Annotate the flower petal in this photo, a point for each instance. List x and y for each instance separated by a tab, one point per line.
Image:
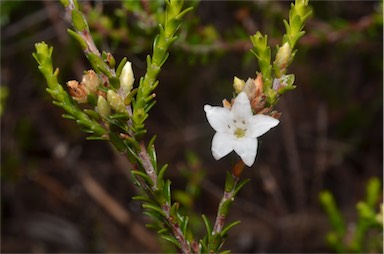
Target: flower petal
218	117
222	144
260	124
241	108
246	148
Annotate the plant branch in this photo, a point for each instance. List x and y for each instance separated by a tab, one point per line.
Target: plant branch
226	200
147	165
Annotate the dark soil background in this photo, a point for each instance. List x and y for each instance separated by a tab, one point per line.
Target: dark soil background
61	193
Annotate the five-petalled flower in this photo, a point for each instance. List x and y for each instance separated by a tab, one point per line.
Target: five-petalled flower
237	129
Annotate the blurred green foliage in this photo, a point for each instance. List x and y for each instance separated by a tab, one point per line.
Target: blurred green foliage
363	235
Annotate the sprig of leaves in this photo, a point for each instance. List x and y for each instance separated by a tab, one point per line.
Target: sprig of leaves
368	220
144	99
43	56
275	80
114	120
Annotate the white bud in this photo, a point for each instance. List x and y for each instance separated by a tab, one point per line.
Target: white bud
238	84
283	56
103	107
126	79
78	91
115	101
90	81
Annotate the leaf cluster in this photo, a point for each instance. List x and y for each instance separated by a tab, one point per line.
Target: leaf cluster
368	227
272	72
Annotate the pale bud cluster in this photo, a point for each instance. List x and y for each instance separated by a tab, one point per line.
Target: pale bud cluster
116	100
105	101
88	85
253	88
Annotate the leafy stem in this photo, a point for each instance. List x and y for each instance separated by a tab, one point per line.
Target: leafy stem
275	80
166	36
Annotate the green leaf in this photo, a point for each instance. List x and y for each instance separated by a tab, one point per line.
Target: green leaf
373	192
79	21
144	176
153	214
65	3
93	114
171	239
117	142
204	246
143	199
115	82
152	153
167	191
174	210
229	182
98	64
226	229
334	215
121	66
160	175
208	227
67	116
240	185
96	138
162	231
184	225
78	38
215	243
155	208
120	116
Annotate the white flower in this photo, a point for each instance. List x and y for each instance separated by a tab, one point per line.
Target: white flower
237	129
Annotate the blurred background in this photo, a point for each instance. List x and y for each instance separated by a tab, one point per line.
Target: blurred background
61	193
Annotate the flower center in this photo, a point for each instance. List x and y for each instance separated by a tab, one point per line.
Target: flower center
239	133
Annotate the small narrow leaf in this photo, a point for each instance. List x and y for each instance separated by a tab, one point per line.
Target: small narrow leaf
208	227
120	67
171	239
96	138
184	225
117	142
143	199
229	227
155	208
67	116
167	191
161	173
144	176
240	185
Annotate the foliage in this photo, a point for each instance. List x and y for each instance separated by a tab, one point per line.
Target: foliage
367	232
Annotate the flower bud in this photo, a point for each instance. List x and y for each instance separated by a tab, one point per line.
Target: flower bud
126	79
238	84
227	104
281	85
103	107
90	81
115	101
78	92
282	56
250	88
